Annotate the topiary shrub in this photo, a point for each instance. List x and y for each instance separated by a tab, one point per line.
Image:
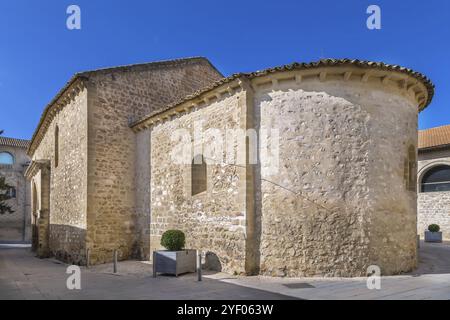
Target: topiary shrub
173	240
434	228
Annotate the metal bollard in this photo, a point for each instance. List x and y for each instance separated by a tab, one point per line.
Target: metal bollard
115	261
154	264
87	258
199	266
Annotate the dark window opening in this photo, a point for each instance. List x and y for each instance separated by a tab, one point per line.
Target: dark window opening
56	146
198	175
437	179
6	158
12	192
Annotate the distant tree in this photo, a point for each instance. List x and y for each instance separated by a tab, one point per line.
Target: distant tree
4	195
1	132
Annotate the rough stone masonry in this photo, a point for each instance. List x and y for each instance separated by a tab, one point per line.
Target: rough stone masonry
341	200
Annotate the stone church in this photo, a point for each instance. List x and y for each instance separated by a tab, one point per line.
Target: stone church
343	197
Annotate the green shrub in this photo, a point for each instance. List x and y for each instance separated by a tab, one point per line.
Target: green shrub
434	228
173	240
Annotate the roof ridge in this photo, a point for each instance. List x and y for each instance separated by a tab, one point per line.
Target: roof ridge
438	127
14	142
10	138
145	64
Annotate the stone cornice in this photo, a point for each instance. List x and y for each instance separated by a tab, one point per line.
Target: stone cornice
400	81
413	83
35	166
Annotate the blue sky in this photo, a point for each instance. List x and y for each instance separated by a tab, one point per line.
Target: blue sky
38	54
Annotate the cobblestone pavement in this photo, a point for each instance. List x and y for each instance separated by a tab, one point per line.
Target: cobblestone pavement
22	276
430	281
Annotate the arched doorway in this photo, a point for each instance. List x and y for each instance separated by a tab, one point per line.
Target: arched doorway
39	176
34	217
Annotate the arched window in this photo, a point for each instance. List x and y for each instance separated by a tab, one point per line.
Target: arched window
198	175
436	179
6	158
56	146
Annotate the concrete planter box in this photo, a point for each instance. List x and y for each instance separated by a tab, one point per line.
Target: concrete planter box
174	262
433	236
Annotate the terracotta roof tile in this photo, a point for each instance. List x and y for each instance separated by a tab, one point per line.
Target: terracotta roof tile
434	137
302	66
11	142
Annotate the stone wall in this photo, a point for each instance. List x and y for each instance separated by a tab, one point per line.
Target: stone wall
15	227
311	208
213	221
68	180
433	207
392	223
116	98
92	186
143	194
338	203
343	197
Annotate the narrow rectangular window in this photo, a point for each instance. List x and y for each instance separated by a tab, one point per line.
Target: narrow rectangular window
198	175
56	146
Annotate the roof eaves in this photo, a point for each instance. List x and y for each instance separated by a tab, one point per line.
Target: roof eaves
434	148
302	66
